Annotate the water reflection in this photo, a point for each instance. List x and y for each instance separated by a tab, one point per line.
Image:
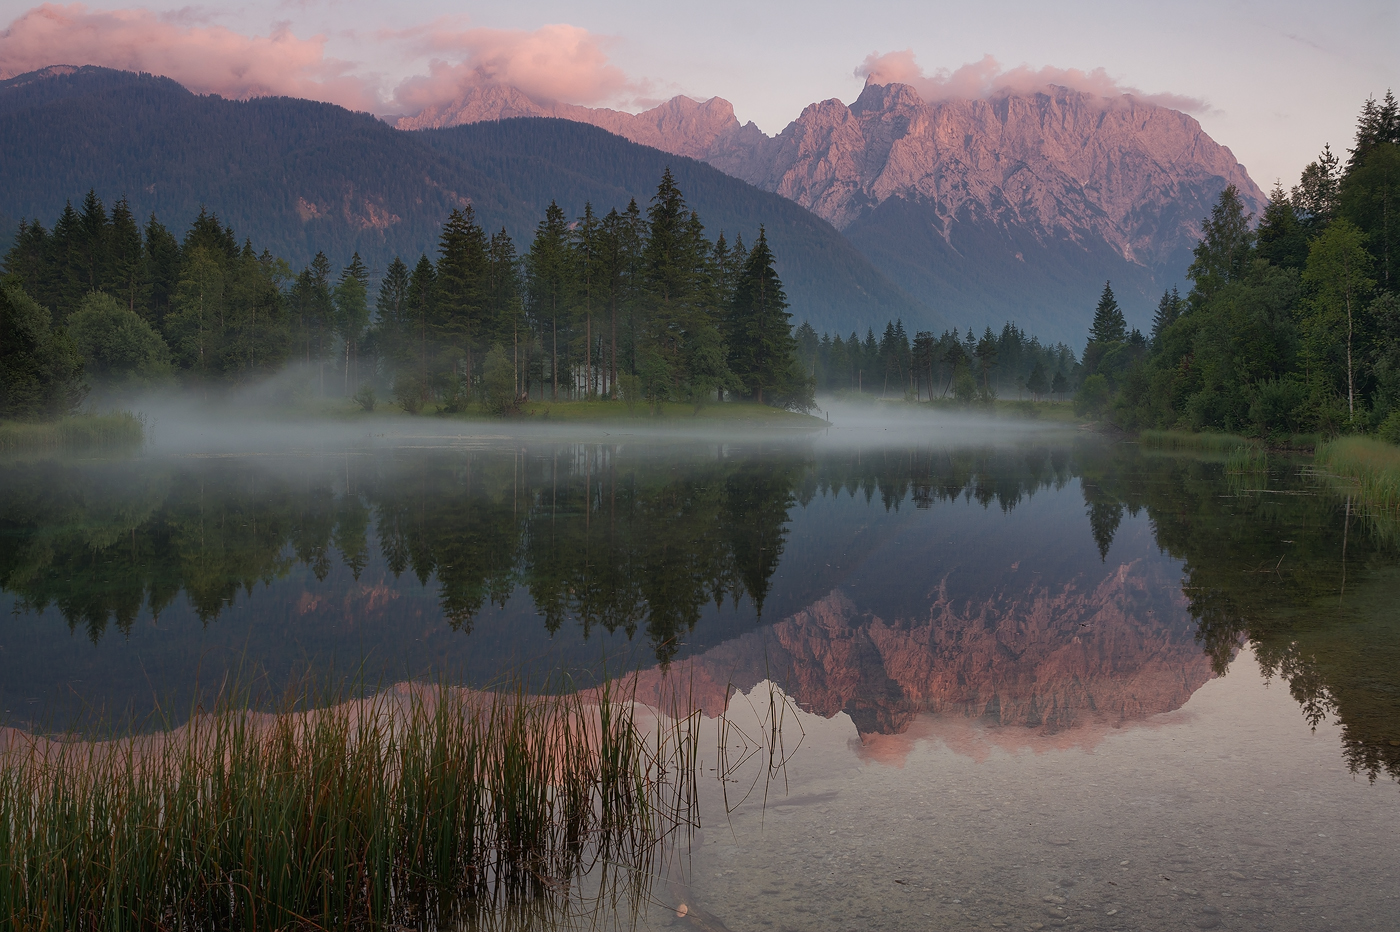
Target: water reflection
1051	591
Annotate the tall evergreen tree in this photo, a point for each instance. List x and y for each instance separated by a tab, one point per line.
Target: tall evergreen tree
461	286
351	300
1283	240
1109	325
128	280
547	268
764	355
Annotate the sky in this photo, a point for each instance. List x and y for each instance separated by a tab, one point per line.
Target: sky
1273	81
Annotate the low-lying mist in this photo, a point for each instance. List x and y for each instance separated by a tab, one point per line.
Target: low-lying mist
293	412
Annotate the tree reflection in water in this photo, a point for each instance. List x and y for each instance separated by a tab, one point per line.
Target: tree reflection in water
640	540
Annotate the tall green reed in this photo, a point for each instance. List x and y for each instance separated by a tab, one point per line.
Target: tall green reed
418	806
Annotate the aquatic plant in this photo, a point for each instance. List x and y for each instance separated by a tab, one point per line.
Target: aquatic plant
1247	459
77	432
1209	441
424	807
1372	464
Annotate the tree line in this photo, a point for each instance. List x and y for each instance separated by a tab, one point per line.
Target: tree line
1290	326
631	304
965	369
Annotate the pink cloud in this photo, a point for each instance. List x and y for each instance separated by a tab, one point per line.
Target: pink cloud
557	62
206	59
987	78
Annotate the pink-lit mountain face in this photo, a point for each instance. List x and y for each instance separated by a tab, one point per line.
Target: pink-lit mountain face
1009	206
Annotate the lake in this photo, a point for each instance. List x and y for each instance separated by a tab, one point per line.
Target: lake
1023	678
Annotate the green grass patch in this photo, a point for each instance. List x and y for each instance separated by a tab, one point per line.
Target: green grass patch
77	432
419	807
1373	465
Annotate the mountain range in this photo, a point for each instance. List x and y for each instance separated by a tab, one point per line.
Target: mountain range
1016	207
966	212
297	176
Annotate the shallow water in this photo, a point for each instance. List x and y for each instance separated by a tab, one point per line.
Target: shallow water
1029	682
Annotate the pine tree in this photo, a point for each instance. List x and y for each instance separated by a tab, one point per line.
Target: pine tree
1038	384
1282	238
547	267
764	356
461	285
1168	311
162	257
1377	125
1315	196
1109	325
585	246
352	312
128	279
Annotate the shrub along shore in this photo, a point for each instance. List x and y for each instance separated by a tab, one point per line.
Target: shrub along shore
420	806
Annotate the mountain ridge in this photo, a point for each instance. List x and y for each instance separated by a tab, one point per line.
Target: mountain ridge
1018	206
301	176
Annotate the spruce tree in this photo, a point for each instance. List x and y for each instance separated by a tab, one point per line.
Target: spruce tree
764	355
461	285
548	281
1109	325
352	312
1282	239
1168	311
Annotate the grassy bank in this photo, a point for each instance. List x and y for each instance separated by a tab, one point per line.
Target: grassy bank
420	807
1373	465
1209	442
78	432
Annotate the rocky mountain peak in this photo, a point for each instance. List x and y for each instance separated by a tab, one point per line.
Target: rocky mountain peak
1013	207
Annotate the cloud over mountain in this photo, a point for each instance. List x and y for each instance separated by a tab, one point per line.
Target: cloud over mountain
556	62
208	59
986	78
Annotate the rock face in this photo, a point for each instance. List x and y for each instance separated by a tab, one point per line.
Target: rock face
1047	659
1017	206
681	125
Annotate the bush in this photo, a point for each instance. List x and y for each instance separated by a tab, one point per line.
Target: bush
498	382
1390	428
41	371
366	398
1276	406
119	348
1092	398
411	393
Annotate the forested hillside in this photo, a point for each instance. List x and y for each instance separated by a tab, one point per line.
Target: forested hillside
1290	326
637	304
302	178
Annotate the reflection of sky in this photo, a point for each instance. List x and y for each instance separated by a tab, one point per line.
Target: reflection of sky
1227	813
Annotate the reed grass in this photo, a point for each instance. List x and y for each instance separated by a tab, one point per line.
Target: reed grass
77	432
1250	459
1373	465
425	807
1209	442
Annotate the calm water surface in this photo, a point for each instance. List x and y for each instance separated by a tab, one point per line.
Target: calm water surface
1025	682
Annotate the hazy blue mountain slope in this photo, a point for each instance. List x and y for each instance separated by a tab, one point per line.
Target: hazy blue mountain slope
298	176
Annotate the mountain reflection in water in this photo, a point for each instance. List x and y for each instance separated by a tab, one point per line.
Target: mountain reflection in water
1048	591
